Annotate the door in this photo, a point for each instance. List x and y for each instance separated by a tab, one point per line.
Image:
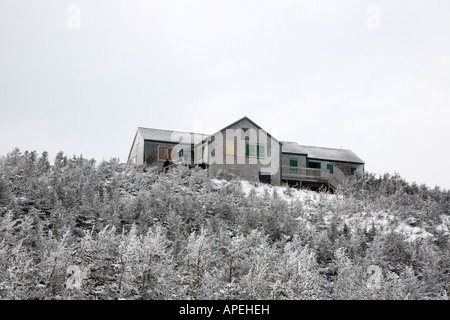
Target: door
265	178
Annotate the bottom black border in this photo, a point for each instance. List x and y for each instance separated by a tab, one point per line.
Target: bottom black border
213	309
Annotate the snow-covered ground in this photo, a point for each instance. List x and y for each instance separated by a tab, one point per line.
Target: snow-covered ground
313	202
285	193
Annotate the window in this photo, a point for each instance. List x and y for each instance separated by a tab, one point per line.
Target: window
293	165
293	162
241	149
260	151
229	148
162	153
254	150
352	170
169	153
312	164
184	155
250	150
330	168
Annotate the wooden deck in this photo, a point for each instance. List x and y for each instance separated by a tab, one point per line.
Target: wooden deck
312	177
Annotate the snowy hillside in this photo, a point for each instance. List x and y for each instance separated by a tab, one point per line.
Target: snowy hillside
312	203
75	229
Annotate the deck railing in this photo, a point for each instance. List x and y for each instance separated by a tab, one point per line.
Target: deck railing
299	173
302	173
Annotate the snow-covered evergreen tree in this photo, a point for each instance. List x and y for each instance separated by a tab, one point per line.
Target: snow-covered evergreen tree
76	229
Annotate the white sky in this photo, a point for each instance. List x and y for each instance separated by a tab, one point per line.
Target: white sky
306	71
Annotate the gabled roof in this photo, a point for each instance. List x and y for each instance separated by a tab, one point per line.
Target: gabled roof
320	153
170	135
236	122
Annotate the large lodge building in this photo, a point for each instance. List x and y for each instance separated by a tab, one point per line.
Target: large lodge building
246	150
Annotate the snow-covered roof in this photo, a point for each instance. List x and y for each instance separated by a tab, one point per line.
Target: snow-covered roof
171	135
321	152
293	147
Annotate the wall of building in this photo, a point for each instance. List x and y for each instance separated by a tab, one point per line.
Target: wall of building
301	160
151	153
137	150
341	170
151	150
346	167
239	164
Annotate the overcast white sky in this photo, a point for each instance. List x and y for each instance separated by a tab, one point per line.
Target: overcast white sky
314	72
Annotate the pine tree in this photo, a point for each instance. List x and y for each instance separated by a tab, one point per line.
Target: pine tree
299	273
198	261
348	283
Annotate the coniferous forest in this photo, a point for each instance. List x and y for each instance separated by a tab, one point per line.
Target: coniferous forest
71	228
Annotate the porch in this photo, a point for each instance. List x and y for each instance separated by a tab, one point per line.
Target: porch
314	178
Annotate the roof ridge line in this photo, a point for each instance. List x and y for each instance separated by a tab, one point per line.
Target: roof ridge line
309	146
324	147
167	130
